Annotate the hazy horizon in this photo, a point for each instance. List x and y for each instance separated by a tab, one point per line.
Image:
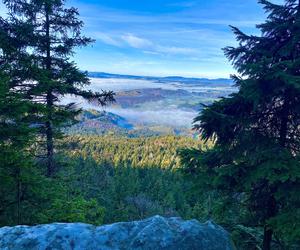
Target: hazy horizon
154	76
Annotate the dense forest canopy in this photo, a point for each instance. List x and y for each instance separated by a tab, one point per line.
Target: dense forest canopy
242	170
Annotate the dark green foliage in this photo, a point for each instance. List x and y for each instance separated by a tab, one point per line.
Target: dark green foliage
132	178
17	176
26	195
48	33
256	131
105	180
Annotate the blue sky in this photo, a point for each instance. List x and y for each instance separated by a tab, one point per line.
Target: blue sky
163	37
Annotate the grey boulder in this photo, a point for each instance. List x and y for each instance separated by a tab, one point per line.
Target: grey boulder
154	233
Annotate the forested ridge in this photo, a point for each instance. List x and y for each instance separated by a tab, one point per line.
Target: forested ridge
242	170
103	179
137	152
131	178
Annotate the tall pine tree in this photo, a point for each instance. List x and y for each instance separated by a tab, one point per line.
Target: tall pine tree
16	134
51	35
256	130
26	195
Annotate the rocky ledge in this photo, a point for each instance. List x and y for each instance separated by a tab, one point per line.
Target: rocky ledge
153	233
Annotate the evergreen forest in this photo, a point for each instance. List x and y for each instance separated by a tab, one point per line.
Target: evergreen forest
240	169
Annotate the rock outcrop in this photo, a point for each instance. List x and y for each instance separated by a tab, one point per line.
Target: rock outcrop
153	233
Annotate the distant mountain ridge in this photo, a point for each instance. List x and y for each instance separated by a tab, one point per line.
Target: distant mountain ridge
187	80
103	117
94	122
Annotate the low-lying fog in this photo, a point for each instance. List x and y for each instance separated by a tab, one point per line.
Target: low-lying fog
162	113
117	85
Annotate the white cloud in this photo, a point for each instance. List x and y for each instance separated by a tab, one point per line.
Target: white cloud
106	39
169	116
176	50
150	47
137	42
151	52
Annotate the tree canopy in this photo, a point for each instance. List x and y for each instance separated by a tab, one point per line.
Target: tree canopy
48	33
256	130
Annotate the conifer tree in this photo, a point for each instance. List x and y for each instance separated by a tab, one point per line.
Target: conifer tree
256	130
51	35
16	114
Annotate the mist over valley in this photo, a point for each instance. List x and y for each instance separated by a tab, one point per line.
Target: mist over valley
161	104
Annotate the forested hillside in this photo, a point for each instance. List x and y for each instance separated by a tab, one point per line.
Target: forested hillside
104	179
137	152
131	178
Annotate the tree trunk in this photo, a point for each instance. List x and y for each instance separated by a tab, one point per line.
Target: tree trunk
49	99
50	147
283	132
271	212
209	207
284	125
268	233
18	177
